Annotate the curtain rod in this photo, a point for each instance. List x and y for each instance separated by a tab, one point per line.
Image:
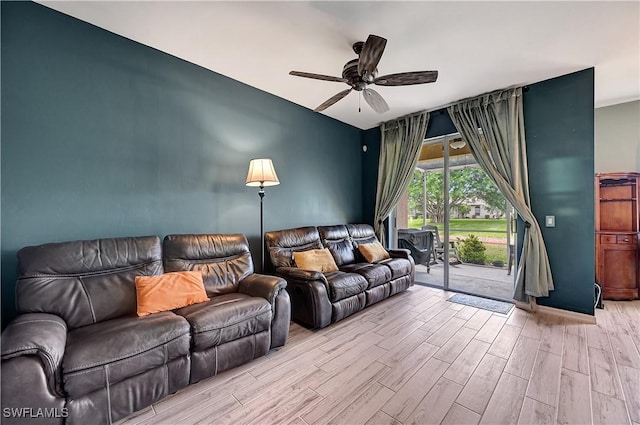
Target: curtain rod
440	108
394	125
525	89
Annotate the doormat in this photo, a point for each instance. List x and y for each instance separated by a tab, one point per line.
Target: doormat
483	303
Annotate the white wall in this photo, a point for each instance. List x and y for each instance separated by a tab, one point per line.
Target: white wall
618	137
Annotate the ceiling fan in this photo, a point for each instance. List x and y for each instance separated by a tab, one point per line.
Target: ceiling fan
362	71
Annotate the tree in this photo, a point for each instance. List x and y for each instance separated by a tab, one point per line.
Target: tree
465	184
464	209
415	193
482	187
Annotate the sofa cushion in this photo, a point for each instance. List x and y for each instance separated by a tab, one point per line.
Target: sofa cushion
361	233
108	352
343	285
226	318
398	266
316	260
376	274
169	291
337	239
347	307
94	278
373	252
282	244
223	259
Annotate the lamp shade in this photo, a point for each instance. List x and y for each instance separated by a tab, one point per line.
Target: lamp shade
262	173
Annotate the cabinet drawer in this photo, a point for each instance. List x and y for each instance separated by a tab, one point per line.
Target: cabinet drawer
608	239
631	239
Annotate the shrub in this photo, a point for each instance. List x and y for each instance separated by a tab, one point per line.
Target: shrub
472	250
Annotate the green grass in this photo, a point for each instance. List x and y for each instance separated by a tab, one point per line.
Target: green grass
461	227
478	224
496	252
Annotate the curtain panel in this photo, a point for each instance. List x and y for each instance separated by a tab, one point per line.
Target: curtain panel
399	149
493	127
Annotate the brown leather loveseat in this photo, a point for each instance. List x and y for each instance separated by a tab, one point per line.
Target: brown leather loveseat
78	353
319	299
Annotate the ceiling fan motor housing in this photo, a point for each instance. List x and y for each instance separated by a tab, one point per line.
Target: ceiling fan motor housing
357	47
350	73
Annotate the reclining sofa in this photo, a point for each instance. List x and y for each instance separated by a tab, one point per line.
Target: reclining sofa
78	353
319	299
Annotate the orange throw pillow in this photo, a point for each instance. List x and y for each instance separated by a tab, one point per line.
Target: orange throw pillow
373	252
318	260
169	291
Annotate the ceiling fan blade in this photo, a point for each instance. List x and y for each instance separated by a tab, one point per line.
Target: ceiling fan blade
332	100
376	101
371	54
407	78
318	76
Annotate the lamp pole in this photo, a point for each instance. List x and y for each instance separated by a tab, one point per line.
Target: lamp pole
261	194
261	173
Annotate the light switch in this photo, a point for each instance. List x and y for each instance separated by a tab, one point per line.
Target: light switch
550	221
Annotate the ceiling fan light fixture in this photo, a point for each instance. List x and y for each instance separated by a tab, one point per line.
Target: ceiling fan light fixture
457	144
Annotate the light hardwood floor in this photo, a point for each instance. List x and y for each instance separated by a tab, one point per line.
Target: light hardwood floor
419	359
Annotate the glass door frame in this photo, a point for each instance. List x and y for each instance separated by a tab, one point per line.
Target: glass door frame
445	197
445	140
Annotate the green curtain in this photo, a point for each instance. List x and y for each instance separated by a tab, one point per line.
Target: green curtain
400	146
500	149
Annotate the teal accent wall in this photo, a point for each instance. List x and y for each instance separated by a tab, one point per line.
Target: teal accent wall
370	139
440	124
559	122
559	127
105	137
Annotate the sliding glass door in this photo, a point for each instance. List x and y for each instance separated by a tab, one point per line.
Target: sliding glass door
453	202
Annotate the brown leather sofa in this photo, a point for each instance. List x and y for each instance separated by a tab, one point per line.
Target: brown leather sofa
78	353
319	299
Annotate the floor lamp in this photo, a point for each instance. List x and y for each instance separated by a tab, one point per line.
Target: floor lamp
261	174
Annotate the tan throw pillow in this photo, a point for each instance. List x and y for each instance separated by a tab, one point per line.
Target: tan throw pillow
169	291
318	260
373	252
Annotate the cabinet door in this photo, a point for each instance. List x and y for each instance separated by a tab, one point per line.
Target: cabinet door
619	271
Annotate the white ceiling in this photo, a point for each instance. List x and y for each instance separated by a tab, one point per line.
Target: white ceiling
476	46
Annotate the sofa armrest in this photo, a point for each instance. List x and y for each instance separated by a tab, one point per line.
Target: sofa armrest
262	285
271	288
308	290
37	334
406	254
295	273
399	253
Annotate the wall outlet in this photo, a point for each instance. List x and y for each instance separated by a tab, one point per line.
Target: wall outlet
550	221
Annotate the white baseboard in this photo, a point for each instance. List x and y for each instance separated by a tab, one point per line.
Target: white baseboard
580	317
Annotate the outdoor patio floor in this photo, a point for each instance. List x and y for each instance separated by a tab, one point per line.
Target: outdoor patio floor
485	281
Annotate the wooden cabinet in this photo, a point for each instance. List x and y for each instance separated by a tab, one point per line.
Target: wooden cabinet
617	235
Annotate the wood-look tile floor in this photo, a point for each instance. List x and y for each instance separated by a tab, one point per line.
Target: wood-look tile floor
419	359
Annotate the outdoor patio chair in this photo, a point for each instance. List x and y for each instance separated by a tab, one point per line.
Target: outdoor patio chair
420	254
439	246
